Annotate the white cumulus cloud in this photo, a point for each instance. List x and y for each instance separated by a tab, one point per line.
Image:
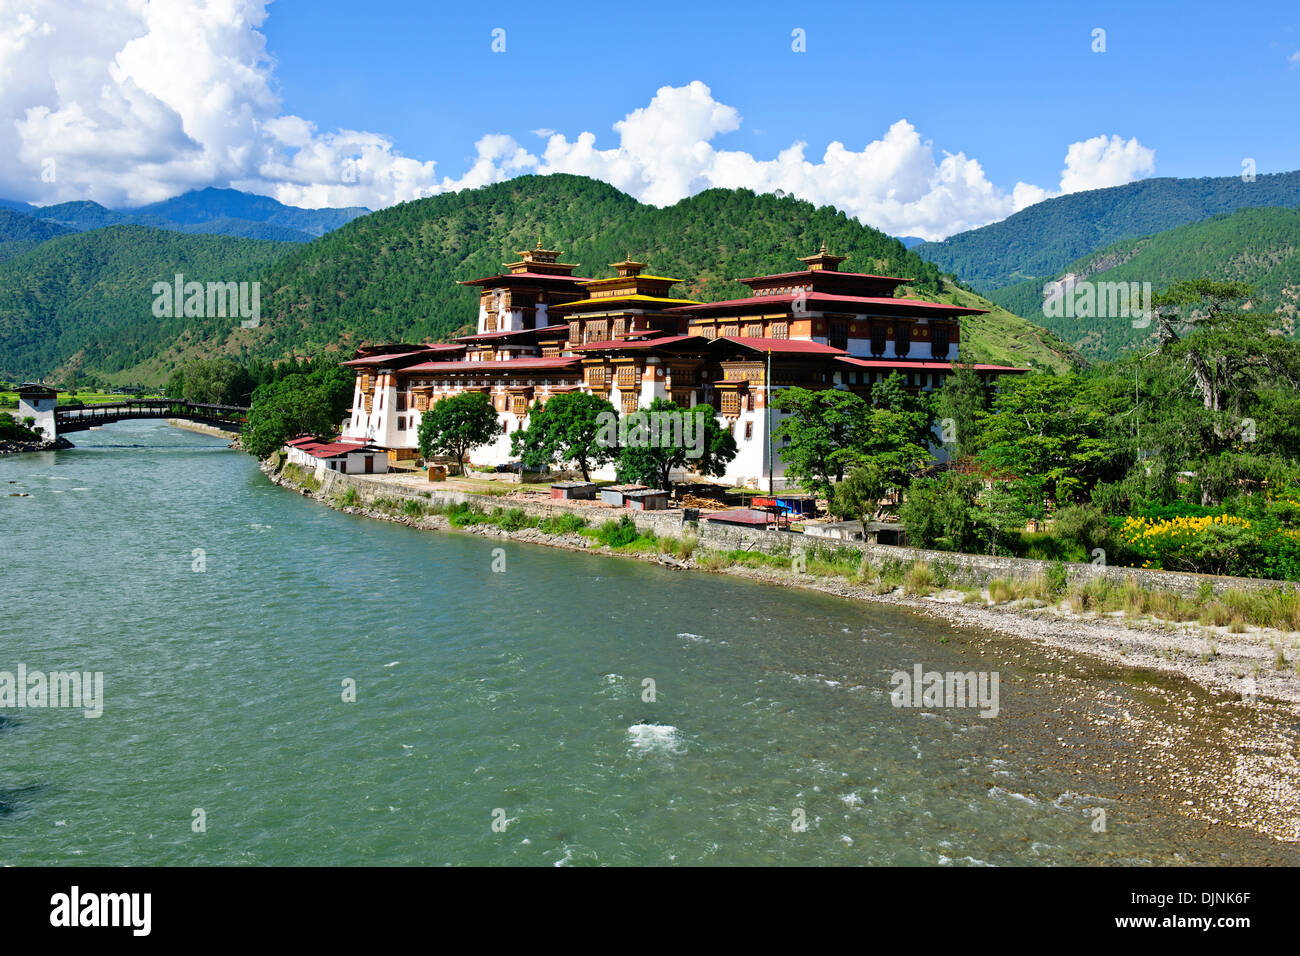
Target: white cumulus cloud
128	101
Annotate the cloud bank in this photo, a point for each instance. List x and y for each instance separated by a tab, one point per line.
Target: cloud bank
128	102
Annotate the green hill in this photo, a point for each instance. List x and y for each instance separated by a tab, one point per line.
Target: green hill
1257	246
391	275
86	300
21	233
1042	239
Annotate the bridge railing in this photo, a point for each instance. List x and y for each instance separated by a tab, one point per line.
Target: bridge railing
79	412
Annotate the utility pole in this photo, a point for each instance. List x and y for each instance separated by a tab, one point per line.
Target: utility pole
767	402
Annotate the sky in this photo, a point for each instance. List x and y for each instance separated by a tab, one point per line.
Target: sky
920	119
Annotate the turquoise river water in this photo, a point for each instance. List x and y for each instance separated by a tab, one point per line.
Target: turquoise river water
500	716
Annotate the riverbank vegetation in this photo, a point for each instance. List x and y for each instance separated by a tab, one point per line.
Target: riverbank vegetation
1184	457
1231	610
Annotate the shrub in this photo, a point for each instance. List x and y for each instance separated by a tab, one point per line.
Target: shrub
618	534
564	523
920	580
513	520
1057	580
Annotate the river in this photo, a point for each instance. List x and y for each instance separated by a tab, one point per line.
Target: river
503	716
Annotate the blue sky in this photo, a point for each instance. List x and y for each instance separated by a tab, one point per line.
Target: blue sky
948	115
1205	84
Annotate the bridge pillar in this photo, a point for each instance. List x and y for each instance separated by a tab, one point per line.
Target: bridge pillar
38	402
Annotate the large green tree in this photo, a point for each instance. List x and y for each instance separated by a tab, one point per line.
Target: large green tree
214	381
664	437
311	403
959	405
821	433
1048	430
454	425
570	427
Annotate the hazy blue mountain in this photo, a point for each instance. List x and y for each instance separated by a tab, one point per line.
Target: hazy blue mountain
215	205
216	212
910	242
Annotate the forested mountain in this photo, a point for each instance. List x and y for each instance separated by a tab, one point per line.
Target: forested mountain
1260	247
1042	239
85	301
392	275
20	233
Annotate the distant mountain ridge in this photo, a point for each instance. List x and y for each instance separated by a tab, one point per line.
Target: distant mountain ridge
1042	239
1258	246
210	211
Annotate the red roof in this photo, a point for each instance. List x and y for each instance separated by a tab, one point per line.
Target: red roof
517	332
323	448
830	299
390	358
746	516
651	343
903	363
531	276
823	272
505	365
783	346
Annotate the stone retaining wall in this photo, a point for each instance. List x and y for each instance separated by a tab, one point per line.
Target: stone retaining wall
967	569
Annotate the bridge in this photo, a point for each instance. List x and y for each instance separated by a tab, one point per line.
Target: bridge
79	417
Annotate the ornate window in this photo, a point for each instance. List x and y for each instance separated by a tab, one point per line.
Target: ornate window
627	376
780	330
879	336
838	338
730	403
629	402
940	344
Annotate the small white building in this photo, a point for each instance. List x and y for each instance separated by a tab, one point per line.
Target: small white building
38	402
348	457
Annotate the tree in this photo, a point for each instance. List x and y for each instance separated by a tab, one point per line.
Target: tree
666	436
569	427
306	403
961	403
823	430
940	512
896	434
858	494
175	387
217	381
1045	427
1225	386
454	425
